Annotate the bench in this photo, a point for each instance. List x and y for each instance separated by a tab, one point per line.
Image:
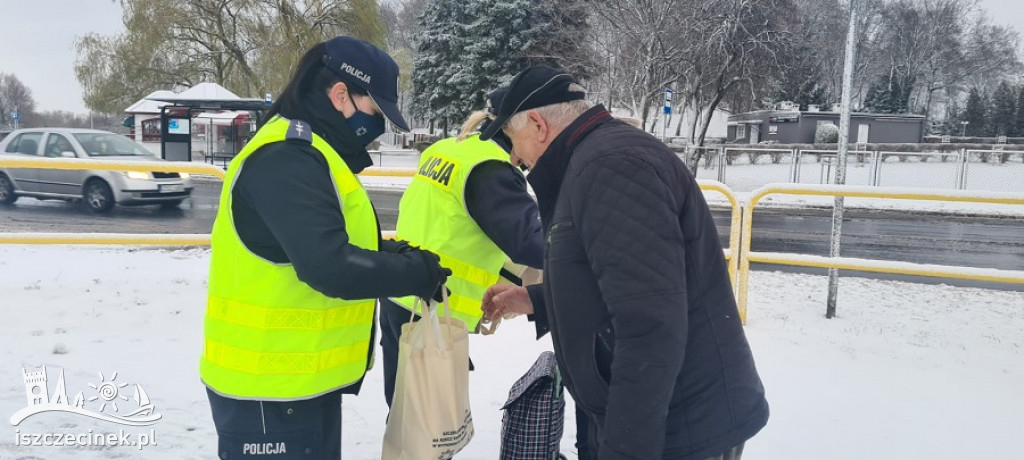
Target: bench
222	158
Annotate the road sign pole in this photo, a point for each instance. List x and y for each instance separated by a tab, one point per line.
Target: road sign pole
668	111
844	140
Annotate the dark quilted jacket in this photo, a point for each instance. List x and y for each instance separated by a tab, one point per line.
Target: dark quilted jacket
637	297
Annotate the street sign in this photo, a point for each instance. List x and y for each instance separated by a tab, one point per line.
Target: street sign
668	101
268	99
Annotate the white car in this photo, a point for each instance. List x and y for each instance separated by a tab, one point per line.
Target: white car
99	189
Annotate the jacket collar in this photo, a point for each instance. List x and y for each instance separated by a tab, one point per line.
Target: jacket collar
547	175
329	124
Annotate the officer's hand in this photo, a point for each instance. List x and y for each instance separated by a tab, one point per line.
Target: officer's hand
437	294
396	246
437	275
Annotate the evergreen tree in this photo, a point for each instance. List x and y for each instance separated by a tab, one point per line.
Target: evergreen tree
975	114
1018	119
879	98
890	93
1003	110
440	50
468	48
499	37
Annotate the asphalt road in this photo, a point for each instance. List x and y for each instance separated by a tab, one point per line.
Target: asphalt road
910	237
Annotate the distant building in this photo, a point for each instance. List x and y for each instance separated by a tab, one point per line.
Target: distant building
796	127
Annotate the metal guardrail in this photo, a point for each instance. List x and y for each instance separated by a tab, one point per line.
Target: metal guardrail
738	253
204	240
736	216
747	256
85	165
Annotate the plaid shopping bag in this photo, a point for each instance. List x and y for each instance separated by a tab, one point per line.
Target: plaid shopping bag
531	428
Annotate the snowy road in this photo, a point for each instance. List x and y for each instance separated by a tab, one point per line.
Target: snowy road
991	242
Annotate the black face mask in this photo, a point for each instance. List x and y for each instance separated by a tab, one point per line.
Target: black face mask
328	123
367	127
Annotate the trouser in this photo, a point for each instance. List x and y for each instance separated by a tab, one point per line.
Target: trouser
279	430
392	317
583	447
732	454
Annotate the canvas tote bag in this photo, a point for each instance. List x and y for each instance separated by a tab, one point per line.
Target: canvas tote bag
430	415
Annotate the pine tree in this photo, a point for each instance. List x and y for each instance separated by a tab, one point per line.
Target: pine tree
879	98
1018	119
890	93
439	52
975	114
499	37
1003	110
467	49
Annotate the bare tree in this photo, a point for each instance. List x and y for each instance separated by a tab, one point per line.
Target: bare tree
15	96
737	43
637	42
248	46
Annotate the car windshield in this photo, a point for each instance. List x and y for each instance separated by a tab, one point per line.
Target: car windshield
110	145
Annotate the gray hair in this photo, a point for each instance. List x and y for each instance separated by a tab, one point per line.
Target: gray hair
558	116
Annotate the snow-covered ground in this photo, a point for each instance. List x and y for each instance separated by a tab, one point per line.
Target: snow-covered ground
904	371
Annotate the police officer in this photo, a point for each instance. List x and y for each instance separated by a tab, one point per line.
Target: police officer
468	204
297	261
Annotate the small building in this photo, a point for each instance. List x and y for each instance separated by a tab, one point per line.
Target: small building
205	122
798	127
144	120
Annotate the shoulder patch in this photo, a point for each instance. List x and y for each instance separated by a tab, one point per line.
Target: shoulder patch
299	129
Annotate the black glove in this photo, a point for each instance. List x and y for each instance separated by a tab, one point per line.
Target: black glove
437	275
396	246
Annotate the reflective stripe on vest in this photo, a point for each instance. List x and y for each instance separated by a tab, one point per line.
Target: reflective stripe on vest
432	214
268	335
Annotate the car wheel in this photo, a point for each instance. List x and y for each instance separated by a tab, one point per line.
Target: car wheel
7	195
171	204
98	196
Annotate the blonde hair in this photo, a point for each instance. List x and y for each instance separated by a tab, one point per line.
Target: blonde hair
472	123
559	115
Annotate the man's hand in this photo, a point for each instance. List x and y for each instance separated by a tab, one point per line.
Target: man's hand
506	300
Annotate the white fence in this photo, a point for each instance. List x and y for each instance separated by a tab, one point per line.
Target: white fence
746	169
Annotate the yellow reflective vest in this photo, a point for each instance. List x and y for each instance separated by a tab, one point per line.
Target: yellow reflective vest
268	335
432	215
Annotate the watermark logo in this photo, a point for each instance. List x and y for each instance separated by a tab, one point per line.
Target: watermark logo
106	400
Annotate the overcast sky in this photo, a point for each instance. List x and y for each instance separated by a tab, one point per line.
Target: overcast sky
37	42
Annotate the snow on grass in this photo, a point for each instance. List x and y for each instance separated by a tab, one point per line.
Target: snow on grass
904	371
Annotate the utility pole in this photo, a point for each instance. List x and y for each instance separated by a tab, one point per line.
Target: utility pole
844	141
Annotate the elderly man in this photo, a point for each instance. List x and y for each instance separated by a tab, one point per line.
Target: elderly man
636	290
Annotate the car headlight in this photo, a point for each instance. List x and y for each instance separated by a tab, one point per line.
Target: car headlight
136	175
185	175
